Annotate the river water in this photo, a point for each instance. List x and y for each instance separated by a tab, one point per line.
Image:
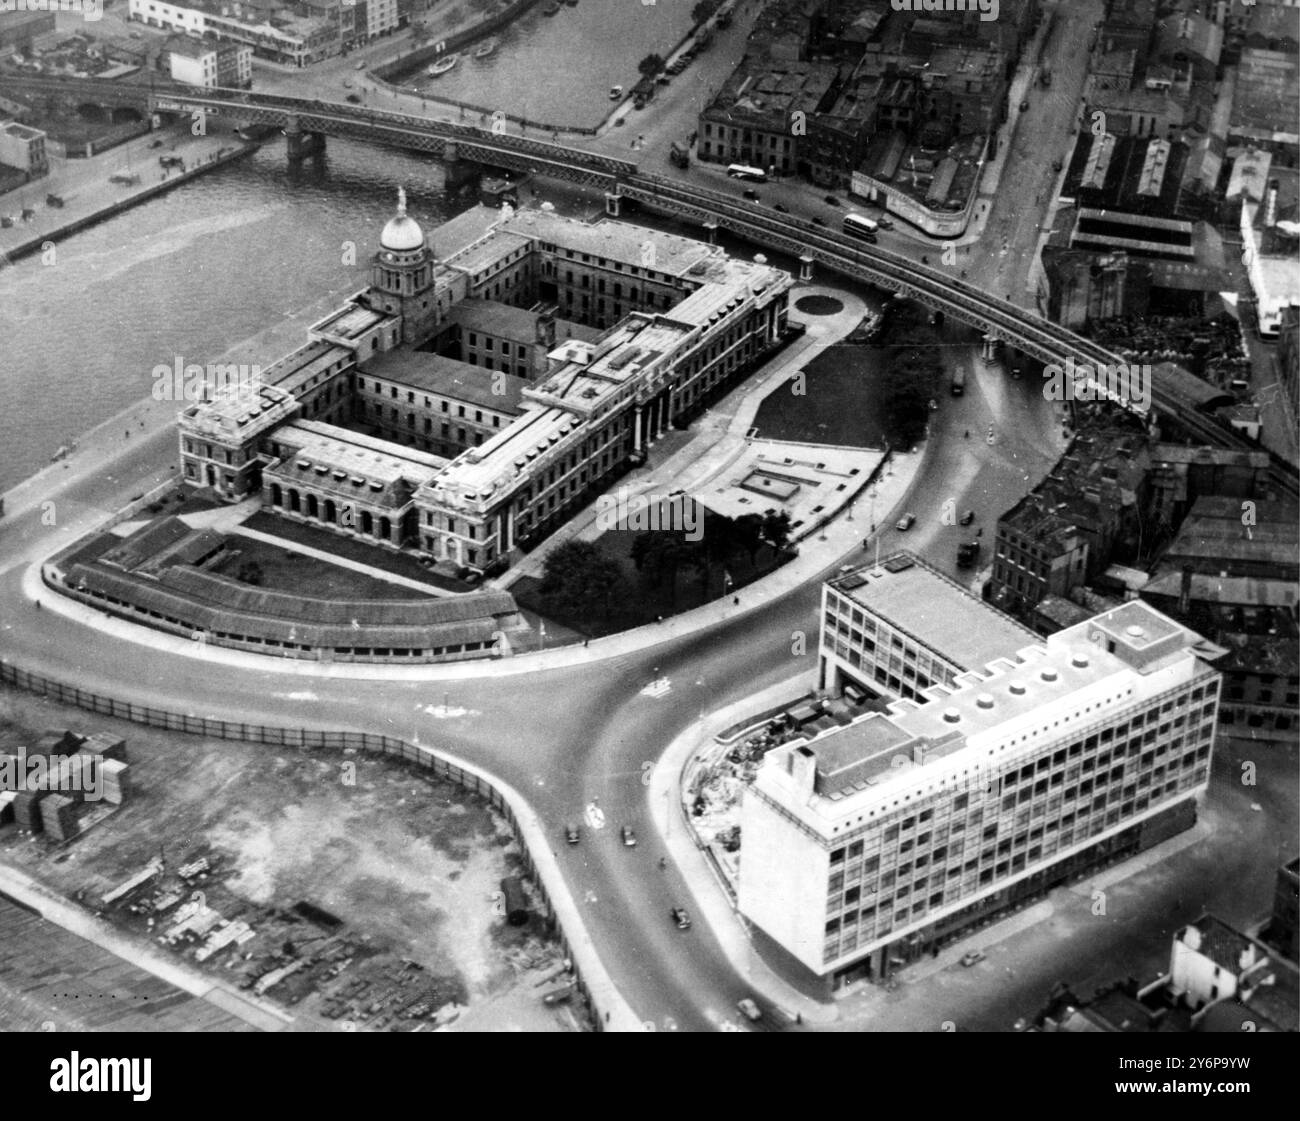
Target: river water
186	275
559	69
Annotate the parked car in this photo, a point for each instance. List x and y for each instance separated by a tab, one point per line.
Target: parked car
155	144
751	194
884	223
558	996
749	1009
352	99
780	208
968	517
681	918
629	837
974	957
831	200
818	220
1024	105
905	523
359	66
572	834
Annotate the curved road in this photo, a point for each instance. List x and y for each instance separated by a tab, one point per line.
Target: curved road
565	738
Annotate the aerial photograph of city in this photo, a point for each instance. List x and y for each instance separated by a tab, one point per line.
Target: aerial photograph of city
651	516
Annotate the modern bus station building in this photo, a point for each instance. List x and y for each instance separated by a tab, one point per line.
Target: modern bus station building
1004	765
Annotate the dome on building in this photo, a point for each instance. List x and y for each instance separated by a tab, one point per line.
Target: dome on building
402	234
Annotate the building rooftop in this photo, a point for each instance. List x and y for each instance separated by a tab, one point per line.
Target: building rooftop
349	322
623	242
934	610
236	410
426	372
339	459
1021	697
766	92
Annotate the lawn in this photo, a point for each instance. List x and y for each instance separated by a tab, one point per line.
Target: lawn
841	402
286	571
399	564
640	600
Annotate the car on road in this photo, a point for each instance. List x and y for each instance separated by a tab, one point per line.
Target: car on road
780	208
749	1009
973	957
884	223
818	220
751	194
572	834
1015	372
968	517
905	523
681	918
155	144
1024	105
352	99
629	837
831	200
558	996
359	66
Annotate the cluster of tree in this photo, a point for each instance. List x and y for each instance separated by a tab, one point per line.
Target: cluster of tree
660	556
649	66
911	373
579	579
704	9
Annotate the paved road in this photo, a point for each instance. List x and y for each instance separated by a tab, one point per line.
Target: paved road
566	738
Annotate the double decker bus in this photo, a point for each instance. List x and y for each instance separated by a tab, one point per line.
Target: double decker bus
855	225
754	174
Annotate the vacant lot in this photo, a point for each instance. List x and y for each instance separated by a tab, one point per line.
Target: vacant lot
406	870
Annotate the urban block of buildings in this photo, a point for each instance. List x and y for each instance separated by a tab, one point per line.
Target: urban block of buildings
210	64
289	34
869	845
1220	979
894	106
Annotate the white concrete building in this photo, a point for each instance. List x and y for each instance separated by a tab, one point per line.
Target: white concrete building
869	845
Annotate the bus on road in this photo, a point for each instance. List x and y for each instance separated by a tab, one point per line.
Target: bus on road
740	171
855	225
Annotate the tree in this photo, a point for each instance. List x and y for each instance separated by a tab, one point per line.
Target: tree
704	9
650	65
747	533
579	577
776	529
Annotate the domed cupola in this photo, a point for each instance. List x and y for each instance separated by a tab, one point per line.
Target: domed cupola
402	275
402	234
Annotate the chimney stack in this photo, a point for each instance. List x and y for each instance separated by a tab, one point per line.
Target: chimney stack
1270	204
803	768
1185	591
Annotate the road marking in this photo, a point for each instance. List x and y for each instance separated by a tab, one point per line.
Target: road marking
657	688
595	816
